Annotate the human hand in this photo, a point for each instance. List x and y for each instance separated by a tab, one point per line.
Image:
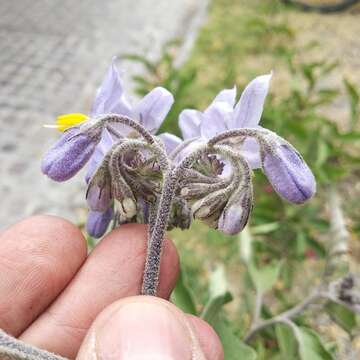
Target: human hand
54	296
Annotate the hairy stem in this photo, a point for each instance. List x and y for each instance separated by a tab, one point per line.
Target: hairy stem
153	258
243	133
13	349
157	235
108	119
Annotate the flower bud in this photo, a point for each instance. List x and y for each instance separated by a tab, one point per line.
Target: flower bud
125	200
180	216
98	222
68	155
236	214
99	193
129	207
209	205
198	190
289	174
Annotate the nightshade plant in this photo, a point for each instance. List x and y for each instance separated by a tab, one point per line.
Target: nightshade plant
134	175
137	176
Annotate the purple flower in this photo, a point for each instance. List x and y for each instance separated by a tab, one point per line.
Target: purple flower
150	111
223	114
101	150
68	155
98	222
235	216
110	98
77	145
282	164
289	174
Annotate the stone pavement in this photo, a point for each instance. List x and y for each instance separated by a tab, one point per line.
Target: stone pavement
53	55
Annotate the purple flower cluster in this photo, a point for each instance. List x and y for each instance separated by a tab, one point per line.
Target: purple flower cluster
222	144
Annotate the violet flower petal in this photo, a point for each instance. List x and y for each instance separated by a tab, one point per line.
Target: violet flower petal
110	97
187	150
99	198
153	108
98	222
289	174
247	112
101	150
68	155
189	123
251	151
226	95
170	141
216	119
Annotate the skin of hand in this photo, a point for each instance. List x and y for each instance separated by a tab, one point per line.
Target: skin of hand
57	297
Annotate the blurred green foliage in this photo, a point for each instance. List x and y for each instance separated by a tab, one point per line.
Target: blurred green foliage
237	43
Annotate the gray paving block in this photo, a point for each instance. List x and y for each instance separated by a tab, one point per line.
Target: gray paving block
53	55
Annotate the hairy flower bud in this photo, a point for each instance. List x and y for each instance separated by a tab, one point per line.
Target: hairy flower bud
129	207
210	205
99	193
195	191
125	200
69	154
289	174
180	216
98	222
236	213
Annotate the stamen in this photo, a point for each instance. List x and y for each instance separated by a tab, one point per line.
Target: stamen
67	121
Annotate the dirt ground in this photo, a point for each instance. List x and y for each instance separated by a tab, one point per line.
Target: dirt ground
338	38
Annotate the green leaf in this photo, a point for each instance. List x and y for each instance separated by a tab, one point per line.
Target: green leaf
354	100
265	277
342	316
219	294
287	343
311	347
234	349
90	242
300	243
264	228
322	153
350	136
245	245
182	297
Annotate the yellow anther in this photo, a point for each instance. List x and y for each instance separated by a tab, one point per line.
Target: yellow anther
66	121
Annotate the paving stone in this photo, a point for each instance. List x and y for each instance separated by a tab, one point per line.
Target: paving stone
53	55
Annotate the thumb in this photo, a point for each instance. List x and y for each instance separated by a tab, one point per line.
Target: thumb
139	328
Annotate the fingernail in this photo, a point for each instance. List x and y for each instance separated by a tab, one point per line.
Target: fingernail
144	330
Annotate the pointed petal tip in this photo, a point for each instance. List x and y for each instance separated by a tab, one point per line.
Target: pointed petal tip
264	79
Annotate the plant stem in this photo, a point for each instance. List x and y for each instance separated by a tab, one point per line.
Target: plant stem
157	235
107	120
284	316
244	132
257	308
11	348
